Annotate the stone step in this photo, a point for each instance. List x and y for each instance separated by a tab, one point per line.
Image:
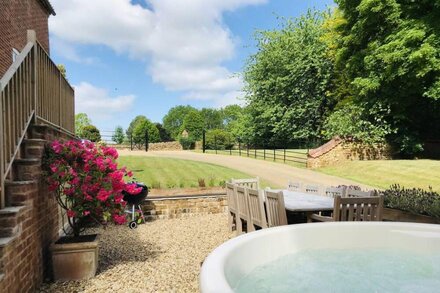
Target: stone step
18	193
34	147
10	220
27	169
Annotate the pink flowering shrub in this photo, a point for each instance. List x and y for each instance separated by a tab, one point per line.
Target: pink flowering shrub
87	182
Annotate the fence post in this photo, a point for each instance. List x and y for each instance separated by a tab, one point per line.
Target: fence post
239	148
230	147
264	152
215	143
32	37
284	155
274	154
255	152
131	141
204	140
248	150
146	140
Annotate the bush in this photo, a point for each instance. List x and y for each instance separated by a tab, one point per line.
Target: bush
218	139
415	200
187	143
90	132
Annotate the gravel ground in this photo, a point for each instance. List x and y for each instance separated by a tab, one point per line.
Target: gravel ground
160	256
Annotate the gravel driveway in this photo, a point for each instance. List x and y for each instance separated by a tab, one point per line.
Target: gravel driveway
277	174
160	256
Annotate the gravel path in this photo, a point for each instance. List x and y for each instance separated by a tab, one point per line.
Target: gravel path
160	256
277	174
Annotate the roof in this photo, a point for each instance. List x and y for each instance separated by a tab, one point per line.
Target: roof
46	4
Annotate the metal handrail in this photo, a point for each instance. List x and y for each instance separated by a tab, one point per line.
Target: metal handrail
32	90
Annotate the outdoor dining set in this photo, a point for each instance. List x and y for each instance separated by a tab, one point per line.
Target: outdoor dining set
251	208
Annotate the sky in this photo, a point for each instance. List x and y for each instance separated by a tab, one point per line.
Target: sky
142	57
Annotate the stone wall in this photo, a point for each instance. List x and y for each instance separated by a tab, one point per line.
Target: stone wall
30	222
165	146
337	151
168	207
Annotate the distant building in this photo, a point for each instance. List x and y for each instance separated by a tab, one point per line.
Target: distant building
16	17
184	133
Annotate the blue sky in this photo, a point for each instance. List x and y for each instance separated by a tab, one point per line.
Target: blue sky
128	58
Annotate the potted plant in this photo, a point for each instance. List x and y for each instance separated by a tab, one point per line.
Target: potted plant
88	186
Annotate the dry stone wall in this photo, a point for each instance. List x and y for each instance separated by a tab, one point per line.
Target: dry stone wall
337	151
165	146
167	207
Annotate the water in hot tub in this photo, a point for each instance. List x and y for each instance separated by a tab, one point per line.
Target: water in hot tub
347	270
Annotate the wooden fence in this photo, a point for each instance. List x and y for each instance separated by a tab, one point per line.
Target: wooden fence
33	90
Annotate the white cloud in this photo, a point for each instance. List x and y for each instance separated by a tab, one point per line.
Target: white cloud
186	41
98	104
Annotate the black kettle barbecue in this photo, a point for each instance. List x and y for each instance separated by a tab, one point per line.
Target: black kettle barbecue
135	201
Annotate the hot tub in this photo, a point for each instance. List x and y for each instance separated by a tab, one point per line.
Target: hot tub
347	256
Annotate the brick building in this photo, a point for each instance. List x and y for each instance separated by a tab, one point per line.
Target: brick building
16	17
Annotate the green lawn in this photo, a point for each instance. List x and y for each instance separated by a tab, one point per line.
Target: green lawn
408	173
175	173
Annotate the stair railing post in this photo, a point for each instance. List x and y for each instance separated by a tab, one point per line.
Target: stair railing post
2	155
32	37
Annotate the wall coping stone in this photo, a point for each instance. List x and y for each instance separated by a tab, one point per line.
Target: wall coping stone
184	196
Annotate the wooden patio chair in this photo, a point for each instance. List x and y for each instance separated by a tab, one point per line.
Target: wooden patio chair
358	193
275	209
354	209
232	206
242	209
294	186
313	189
253	183
334	191
257	214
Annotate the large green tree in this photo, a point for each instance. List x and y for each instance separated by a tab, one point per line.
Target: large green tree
194	124
173	120
288	79
212	117
138	128
389	50
81	120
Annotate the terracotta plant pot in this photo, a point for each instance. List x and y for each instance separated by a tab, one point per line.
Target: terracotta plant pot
75	258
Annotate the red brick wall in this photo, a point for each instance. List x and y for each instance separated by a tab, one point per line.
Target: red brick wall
25	261
16	17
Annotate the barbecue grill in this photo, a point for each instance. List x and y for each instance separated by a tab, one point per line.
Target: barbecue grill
135	200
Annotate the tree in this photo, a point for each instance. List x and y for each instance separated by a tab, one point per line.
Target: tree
138	119
288	79
90	132
219	139
194	124
141	128
118	136
388	50
173	120
62	69
163	133
212	117
81	120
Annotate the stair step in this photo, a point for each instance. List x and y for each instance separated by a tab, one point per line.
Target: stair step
4	241
27	169
11	210
34	147
18	193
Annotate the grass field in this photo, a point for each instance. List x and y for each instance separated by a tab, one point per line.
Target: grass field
408	173
174	173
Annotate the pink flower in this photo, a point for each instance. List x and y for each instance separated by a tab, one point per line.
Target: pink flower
119	198
53	168
119	219
86	213
103	195
132	189
57	147
111	152
71	213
